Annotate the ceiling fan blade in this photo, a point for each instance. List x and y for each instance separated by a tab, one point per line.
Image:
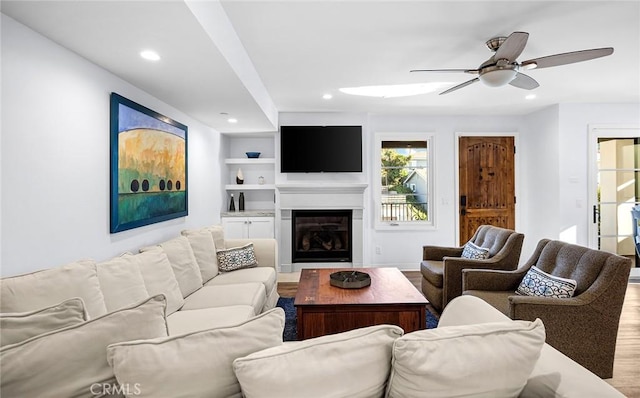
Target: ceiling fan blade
523	81
465	84
567	58
446	70
512	47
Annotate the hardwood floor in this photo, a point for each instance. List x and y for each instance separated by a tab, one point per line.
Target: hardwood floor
626	367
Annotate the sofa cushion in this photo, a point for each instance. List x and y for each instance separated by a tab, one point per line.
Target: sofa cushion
266	250
204	250
208	318
196	364
250	293
236	258
474	252
538	283
265	275
183	262
40	289
17	327
72	362
121	282
217	232
464	360
159	277
349	364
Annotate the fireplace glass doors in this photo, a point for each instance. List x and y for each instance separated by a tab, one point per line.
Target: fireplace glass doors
321	236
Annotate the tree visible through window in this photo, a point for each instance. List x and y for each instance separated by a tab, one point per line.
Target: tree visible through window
405	181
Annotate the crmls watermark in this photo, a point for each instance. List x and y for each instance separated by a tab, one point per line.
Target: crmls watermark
100	389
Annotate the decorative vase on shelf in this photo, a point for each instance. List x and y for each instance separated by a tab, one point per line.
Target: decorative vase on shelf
261	180
232	204
239	177
241	202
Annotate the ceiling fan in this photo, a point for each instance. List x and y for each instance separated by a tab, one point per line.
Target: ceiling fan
503	68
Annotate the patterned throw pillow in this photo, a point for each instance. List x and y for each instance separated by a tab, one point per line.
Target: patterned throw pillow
237	258
538	283
475	252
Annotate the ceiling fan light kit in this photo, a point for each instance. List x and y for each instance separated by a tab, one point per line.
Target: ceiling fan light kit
502	68
498	77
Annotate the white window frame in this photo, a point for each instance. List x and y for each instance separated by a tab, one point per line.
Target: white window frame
377	178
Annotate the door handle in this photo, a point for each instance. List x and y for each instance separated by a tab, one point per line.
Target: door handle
463	205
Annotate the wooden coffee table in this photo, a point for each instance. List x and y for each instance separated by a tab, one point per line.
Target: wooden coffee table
325	309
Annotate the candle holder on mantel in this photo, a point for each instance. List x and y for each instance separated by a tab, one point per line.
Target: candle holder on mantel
239	177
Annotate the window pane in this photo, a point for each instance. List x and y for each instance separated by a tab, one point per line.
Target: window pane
404	181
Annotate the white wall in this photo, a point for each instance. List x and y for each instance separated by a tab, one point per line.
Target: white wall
540	159
573	126
55	158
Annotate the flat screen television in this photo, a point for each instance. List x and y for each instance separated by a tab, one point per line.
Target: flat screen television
321	149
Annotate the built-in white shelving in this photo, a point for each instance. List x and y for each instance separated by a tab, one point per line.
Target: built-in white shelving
259	173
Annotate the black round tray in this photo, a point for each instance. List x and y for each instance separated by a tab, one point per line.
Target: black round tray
350	279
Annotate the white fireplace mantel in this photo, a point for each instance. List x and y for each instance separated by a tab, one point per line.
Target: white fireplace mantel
322	196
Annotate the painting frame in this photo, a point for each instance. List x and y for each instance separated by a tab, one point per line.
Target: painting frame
148	171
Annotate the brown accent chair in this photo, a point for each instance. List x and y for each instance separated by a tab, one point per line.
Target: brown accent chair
442	267
583	327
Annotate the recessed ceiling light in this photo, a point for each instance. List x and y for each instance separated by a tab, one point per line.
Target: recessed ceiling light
530	96
327	96
232	120
150	55
396	90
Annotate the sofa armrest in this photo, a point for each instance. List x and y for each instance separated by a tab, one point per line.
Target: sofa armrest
439	252
266	250
555	374
492	280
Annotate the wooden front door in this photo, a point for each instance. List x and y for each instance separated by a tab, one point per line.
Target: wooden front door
487	183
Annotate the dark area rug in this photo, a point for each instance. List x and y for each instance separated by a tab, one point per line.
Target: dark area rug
291	334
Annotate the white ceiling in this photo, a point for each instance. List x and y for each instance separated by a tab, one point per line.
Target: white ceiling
300	50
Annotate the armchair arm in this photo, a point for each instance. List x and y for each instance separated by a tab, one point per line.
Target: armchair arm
492	280
439	252
452	273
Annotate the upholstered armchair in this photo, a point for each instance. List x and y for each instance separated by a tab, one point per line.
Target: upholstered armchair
442	267
583	327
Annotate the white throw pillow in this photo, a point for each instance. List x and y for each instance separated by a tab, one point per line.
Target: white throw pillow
72	362
17	327
538	283
159	277
183	262
204	249
237	258
121	282
196	364
483	360
474	252
40	289
351	364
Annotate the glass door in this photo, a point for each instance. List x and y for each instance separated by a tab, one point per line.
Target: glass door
617	193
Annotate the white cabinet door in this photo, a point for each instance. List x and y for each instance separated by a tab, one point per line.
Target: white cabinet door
234	227
248	227
260	227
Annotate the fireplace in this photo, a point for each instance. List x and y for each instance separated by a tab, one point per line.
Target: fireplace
321	236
